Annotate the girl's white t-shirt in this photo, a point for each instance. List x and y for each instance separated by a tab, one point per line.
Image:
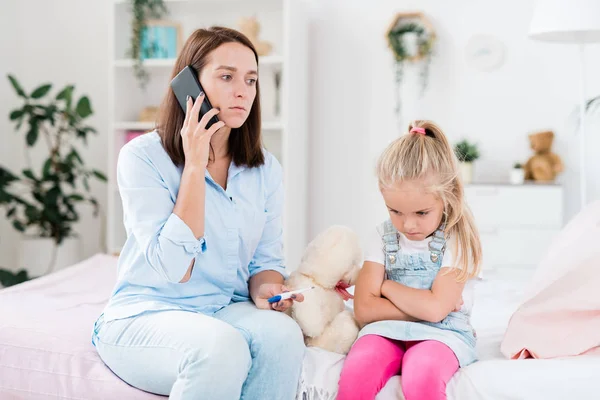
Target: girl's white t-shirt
374	252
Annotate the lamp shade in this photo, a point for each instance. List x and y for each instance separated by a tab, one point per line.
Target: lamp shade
566	21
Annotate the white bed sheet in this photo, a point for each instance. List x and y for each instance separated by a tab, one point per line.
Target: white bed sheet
493	376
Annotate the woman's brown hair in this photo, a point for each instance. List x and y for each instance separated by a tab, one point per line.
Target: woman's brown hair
245	143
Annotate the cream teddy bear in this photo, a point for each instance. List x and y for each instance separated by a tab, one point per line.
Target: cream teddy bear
330	263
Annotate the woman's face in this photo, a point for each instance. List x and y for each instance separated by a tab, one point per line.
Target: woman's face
229	80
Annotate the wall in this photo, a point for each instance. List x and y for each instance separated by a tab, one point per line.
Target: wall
352	112
62	42
8	61
353	99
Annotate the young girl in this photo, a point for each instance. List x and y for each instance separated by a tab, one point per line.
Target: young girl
418	270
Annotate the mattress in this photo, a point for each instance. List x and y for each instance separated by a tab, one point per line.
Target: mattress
45	337
493	377
46	351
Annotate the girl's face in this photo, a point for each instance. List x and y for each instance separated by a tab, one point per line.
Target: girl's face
414	211
229	80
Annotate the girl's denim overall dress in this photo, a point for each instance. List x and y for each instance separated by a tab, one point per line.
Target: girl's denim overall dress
418	271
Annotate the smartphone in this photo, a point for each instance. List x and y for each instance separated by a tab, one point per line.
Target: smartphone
185	84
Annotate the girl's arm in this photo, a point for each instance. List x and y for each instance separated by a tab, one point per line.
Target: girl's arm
369	305
428	305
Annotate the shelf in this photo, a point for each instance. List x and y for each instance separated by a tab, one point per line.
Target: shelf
134	125
142	126
274	60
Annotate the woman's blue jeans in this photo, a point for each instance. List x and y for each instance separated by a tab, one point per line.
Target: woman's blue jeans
240	352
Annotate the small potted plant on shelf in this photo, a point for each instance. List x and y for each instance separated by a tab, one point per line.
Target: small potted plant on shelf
42	204
517	174
466	153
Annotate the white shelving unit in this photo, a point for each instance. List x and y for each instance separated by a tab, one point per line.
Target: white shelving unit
284	134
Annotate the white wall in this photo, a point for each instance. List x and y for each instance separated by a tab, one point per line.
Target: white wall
352	119
353	99
8	61
61	42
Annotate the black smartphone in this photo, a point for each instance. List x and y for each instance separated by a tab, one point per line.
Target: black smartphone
185	84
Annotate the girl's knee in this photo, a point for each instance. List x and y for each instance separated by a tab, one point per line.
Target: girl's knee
372	361
423	385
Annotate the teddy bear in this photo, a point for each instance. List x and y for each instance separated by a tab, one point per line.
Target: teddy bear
543	165
250	27
330	264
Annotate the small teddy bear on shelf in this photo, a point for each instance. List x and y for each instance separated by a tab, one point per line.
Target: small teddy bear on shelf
250	27
330	263
544	166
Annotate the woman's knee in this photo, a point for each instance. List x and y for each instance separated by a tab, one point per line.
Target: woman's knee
228	357
281	335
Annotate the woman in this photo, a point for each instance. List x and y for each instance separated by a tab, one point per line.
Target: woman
189	315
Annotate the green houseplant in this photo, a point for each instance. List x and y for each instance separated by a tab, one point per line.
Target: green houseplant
142	11
467	153
43	202
517	174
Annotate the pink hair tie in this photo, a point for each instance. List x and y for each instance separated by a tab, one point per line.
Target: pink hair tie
418	130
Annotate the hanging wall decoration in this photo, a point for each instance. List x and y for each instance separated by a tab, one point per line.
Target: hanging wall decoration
411	38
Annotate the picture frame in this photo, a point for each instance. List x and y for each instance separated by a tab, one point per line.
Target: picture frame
160	39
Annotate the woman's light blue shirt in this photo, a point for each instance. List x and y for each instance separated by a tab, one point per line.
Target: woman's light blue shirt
243	234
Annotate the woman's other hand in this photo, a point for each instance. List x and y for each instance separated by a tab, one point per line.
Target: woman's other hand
268	290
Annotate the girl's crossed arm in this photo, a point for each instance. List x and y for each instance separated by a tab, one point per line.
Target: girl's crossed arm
369	305
432	305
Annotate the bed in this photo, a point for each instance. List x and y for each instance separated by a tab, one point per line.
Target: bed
46	350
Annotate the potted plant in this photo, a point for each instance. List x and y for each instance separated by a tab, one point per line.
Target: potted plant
517	174
142	11
42	203
466	153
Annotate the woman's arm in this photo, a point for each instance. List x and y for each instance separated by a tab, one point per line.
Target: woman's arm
428	305
369	305
167	242
190	204
169	233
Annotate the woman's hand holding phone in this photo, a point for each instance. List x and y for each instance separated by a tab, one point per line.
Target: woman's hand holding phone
195	136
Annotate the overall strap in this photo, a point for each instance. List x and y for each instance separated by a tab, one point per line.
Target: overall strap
437	245
389	236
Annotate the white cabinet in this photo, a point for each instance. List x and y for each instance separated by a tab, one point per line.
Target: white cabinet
517	223
285	111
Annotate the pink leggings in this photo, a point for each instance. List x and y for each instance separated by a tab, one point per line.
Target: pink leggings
426	368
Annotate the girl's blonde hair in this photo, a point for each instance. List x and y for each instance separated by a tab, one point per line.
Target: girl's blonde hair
425	153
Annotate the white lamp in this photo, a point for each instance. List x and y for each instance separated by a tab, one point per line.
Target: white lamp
570	21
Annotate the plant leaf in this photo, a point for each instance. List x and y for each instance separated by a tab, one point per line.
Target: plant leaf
83	108
74	155
99	175
16	114
17	87
33	133
41	91
66	94
32	214
19	226
76	197
28	173
52	196
46	169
